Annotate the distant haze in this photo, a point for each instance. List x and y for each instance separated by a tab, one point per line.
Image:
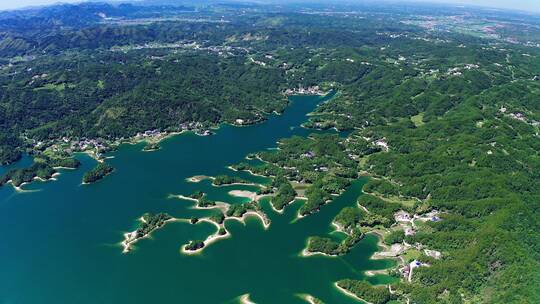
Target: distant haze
14	4
526	5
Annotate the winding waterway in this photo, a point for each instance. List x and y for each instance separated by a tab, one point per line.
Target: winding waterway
59	240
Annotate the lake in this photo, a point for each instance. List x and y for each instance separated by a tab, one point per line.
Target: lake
60	240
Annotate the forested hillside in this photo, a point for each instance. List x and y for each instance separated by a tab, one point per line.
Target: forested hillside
441	110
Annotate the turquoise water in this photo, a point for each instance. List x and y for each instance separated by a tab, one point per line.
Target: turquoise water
60	239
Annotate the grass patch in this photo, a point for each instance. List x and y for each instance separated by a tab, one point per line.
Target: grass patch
411	254
418	120
55	87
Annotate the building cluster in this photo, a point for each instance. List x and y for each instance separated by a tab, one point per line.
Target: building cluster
521	117
382	144
85	144
314	90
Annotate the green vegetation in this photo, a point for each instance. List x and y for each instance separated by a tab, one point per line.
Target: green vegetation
222	180
396	236
315	300
27	175
151	147
380	212
284	193
197	195
323	245
218	218
238	210
68	163
194	245
330	247
441	119
418	120
151	222
349	217
319	161
43	168
204	202
100	171
367	292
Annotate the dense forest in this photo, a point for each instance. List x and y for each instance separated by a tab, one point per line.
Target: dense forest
441	117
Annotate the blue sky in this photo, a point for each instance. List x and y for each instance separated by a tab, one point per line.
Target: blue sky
527	5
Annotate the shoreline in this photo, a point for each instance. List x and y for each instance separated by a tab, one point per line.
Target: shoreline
237	184
264	219
276	210
245	194
209	239
198	178
19	188
338	228
112	145
216	236
371	273
130	238
248	171
219	205
183	197
308	298
377	255
350	294
283	209
305	253
244	299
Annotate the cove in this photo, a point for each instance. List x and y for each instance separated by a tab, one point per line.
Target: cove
60	239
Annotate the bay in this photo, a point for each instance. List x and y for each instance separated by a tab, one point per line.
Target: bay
59	240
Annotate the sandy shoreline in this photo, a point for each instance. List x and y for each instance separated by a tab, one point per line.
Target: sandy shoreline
249	171
338	228
264	219
19	188
131	238
219	205
182	197
216	236
350	294
276	210
371	273
307	297
282	209
244	299
210	239
197	178
380	254
305	253
244	193
237	184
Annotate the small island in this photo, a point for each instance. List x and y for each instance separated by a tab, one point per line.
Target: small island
310	299
151	146
98	173
194	245
148	223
